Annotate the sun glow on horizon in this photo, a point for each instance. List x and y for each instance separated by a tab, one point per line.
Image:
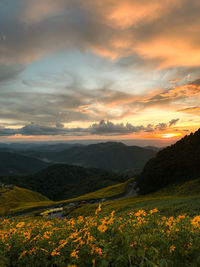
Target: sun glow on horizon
170	135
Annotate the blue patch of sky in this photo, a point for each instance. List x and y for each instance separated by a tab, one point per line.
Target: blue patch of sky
92	71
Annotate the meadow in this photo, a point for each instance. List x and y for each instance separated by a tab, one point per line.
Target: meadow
132	238
158	229
21	200
172	200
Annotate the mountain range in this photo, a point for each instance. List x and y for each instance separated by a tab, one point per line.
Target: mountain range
113	156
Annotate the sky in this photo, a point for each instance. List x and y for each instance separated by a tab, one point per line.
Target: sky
99	69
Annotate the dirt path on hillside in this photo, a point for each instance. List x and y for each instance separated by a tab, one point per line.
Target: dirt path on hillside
131	190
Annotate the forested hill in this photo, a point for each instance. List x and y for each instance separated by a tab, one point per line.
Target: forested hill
61	181
175	163
114	156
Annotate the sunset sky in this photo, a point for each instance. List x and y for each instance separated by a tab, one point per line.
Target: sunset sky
99	69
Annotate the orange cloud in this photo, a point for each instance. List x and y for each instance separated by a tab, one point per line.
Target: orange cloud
160	97
162	32
123	14
105	52
174	81
127	13
182	91
192	110
172	50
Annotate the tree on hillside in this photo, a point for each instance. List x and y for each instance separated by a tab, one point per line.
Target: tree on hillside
178	162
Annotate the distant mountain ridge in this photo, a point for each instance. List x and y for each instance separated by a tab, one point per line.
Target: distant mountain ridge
23	147
13	163
114	156
177	163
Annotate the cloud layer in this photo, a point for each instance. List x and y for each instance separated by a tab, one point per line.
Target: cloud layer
75	103
160	37
103	128
164	32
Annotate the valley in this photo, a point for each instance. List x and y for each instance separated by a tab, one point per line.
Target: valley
107	202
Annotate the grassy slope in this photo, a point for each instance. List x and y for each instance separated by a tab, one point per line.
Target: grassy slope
172	200
20	199
107	192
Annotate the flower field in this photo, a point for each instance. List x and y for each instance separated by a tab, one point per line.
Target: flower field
141	238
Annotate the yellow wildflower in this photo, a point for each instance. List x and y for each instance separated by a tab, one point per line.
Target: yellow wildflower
20	224
112	213
44	250
172	248
62	244
120	228
98	251
102	228
98	209
168	224
22	254
181	216
133	244
140	212
54	252
74	253
46	235
153	211
33	251
195	221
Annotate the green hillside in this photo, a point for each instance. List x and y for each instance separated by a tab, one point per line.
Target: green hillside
172	200
19	199
24	200
108	192
176	163
61	181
